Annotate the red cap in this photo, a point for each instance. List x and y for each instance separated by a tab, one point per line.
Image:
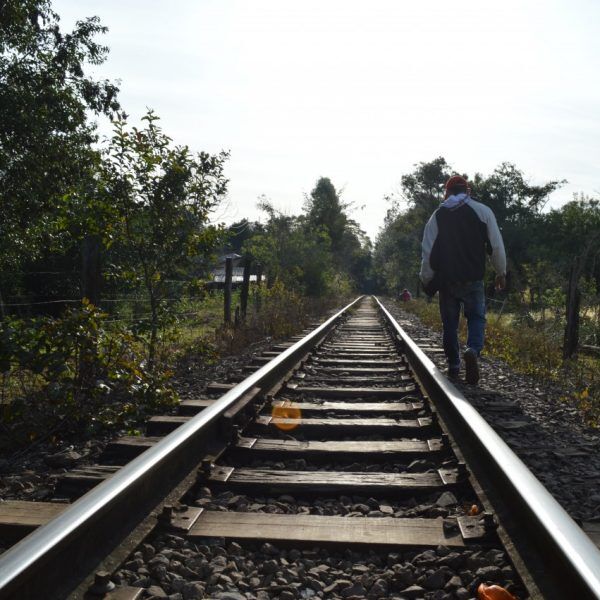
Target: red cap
456	180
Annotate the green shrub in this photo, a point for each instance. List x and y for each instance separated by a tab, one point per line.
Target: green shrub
75	374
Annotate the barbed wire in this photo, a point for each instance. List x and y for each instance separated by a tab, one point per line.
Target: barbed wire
62	301
106	300
147	317
41	273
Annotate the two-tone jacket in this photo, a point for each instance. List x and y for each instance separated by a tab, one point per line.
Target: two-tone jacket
456	239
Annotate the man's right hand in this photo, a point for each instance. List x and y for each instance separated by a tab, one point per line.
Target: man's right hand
500	282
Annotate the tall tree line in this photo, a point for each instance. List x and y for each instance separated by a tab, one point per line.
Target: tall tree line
541	245
320	251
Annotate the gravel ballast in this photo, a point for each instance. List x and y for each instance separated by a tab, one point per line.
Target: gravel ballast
177	569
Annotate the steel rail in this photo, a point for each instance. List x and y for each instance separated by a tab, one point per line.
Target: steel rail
571	561
44	550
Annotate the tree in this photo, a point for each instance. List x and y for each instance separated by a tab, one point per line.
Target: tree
163	195
241	231
350	247
423	189
324	210
397	253
45	135
292	252
518	208
574	231
516	203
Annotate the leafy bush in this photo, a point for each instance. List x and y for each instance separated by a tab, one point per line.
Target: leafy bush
74	374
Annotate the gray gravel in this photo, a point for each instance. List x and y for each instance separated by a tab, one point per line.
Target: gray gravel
33	475
174	568
444	504
544	430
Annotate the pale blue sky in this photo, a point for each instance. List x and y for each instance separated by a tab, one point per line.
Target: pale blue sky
361	91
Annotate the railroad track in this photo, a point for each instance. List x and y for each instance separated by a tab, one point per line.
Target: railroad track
345	450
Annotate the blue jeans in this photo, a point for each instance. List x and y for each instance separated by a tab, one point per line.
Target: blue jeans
471	296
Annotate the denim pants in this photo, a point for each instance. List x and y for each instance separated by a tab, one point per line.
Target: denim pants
471	296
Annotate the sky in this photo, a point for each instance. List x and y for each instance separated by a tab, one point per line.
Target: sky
361	92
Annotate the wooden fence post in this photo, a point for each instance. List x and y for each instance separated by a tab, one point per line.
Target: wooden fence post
245	287
571	340
259	274
259	271
227	291
2	311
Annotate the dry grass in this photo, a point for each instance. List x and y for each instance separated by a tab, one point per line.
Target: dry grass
533	348
279	313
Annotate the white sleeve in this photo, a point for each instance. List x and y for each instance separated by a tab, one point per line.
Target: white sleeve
429	237
493	232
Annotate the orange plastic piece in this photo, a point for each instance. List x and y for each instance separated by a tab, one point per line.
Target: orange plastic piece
287	416
494	592
474	510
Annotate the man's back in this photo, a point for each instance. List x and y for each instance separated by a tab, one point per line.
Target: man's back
456	239
458	252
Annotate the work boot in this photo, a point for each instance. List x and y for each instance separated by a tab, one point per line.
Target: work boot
471	367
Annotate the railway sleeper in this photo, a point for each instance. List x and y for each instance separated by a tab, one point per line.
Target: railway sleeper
351	407
326	530
77	482
337	370
330	450
348	362
352	392
333	428
378	352
276	482
350	381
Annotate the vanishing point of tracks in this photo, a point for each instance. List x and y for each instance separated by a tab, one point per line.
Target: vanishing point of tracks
344	465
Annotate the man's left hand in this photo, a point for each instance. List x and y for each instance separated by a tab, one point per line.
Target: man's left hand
500	282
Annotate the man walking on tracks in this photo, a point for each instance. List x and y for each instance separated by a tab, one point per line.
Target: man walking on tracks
455	242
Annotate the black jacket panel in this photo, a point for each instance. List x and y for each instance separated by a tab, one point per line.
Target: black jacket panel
458	253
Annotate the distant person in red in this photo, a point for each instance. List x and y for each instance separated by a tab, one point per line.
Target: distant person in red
405	296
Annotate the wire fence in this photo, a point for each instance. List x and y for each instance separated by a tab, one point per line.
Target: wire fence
109	300
136	310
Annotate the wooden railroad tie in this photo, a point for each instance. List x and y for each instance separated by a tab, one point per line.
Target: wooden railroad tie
352	407
385	531
352	392
331	482
331	449
337	426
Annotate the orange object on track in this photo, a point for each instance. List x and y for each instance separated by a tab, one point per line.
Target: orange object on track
474	510
288	416
494	592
